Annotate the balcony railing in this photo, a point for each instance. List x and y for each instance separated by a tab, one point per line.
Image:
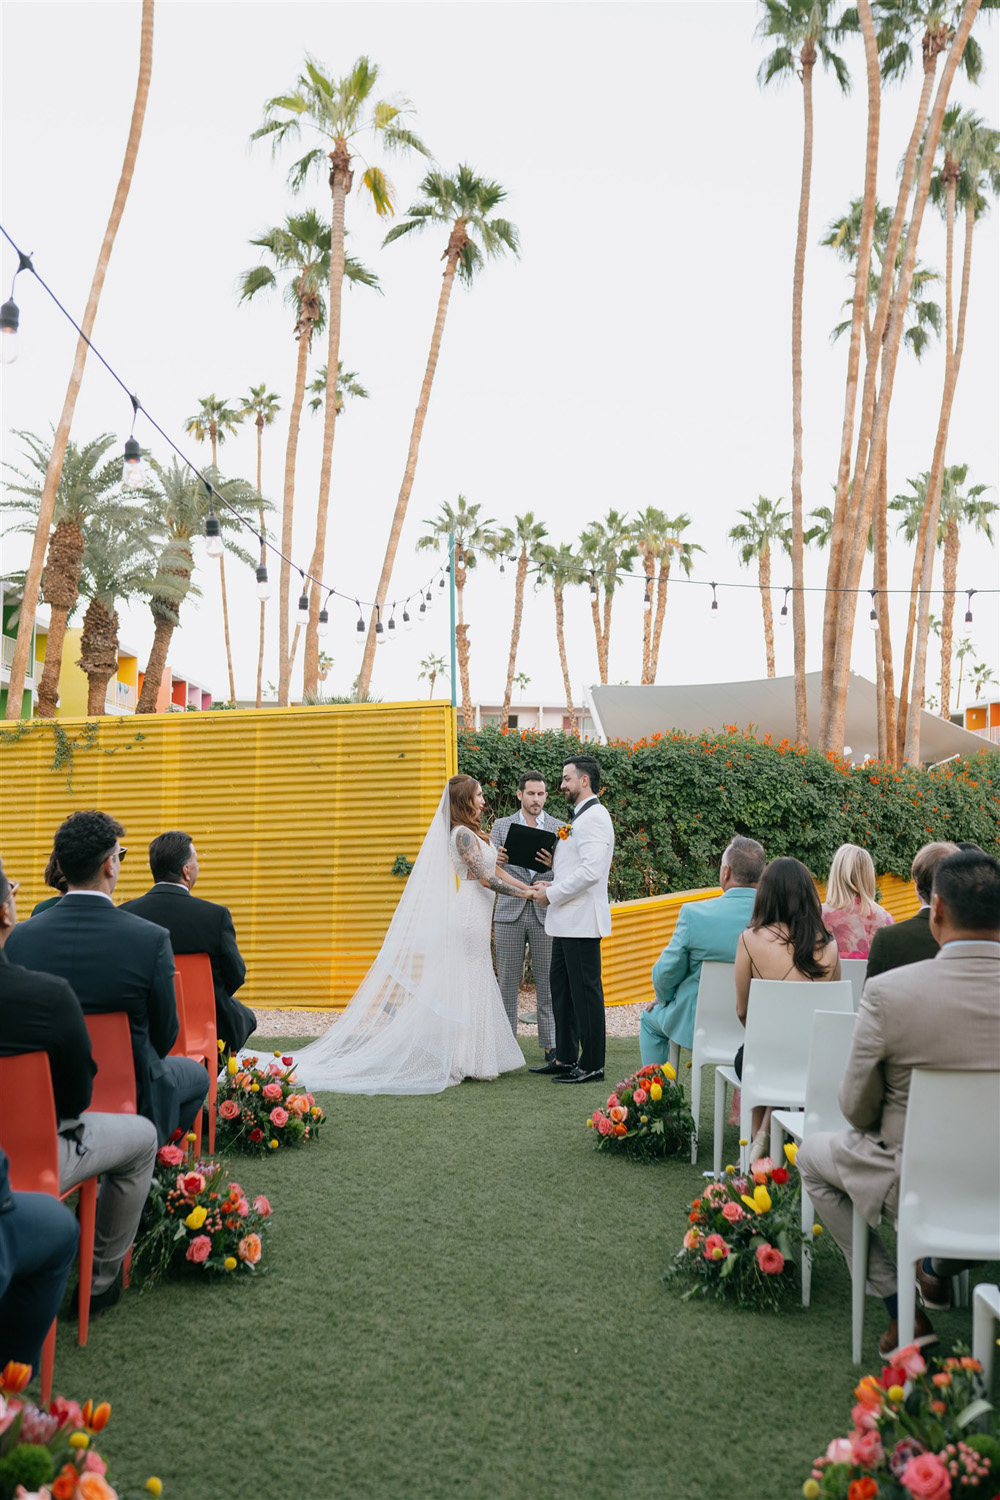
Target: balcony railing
120	697
7	644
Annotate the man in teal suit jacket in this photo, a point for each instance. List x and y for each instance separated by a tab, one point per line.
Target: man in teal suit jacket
705	930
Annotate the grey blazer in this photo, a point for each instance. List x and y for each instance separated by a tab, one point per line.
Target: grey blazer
941	1013
509	908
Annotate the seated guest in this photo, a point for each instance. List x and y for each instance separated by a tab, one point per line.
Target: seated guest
786	939
115	961
911	941
54	877
706	930
850	910
940	1013
38	1240
40	1013
197	926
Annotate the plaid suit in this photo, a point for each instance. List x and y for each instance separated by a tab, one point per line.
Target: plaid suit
519	924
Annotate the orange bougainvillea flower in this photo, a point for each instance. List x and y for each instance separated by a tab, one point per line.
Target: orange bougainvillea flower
14	1376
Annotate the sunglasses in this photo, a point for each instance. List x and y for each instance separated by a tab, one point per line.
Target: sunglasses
122	851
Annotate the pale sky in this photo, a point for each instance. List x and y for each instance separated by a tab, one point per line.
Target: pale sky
637	354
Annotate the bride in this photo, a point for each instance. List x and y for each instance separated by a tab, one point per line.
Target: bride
428	1013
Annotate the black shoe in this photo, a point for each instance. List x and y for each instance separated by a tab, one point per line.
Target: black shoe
550	1065
100	1302
935	1291
577	1075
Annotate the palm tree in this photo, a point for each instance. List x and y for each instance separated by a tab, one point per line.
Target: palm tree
605	548
463	205
214	420
650	536
301	246
46	508
341	110
117	566
473	536
528	535
432	667
348	384
763	526
263	406
969	172
183	506
89	484
658	538
802	31
561	566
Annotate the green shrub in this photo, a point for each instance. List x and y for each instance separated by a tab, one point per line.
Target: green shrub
677	800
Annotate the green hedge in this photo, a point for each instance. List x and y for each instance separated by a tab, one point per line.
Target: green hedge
677	799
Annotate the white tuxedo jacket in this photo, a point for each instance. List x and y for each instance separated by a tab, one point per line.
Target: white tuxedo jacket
578	894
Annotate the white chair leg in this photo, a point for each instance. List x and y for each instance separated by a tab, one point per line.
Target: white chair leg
960	1289
808	1220
674	1057
695	1109
859	1278
907	1292
777	1146
984	1316
746	1130
720	1114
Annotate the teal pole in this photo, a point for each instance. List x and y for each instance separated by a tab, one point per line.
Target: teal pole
451	576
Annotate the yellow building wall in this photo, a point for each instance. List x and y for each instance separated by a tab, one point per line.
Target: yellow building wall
297	815
73	685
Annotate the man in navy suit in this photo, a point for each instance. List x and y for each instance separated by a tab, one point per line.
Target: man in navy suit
115	961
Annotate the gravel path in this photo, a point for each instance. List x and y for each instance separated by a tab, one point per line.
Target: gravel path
621	1020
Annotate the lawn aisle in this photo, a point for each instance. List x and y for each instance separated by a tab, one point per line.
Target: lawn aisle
464	1299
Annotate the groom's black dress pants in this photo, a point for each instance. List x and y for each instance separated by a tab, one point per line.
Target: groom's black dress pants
578	1001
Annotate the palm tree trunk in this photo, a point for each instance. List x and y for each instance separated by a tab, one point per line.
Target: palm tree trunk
609	599
890	353
304	329
807	61
409	473
61	591
515	633
98	654
225	627
462	647
433	677
595	611
883	644
22	646
155	666
341	179
661	610
557	590
927	538
952	543
260	645
764	582
859	325
648	567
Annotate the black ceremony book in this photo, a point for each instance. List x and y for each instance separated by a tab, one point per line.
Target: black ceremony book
522	845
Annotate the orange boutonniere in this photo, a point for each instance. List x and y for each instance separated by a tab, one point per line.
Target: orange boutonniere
565	831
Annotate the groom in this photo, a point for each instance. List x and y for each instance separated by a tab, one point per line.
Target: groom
578	915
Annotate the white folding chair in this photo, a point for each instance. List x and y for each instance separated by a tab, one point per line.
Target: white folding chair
776	1050
949	1187
828	1052
717	1031
856	970
985	1316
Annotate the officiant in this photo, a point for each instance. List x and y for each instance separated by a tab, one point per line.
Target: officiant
519	926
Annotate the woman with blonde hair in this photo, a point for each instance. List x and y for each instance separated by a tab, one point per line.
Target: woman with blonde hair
850	910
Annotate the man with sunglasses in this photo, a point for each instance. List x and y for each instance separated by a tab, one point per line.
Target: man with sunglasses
115	961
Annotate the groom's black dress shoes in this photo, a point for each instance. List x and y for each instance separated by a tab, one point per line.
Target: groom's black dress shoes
550	1065
577	1075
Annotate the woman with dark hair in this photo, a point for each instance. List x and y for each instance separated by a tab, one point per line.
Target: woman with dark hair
55	878
429	1013
786	939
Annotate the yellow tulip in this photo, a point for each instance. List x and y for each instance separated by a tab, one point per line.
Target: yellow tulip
221	1045
79	1440
232	1067
895	1393
154	1485
810	1489
655	1092
761	1199
196	1217
791	1151
668	1070
230	1262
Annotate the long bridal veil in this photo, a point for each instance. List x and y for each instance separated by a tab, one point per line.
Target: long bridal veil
403	1027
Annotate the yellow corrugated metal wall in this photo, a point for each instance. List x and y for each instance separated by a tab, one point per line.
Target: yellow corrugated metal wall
297	815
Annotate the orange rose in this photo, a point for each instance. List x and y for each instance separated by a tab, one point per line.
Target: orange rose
63	1487
862	1489
94	1487
620	1129
249	1249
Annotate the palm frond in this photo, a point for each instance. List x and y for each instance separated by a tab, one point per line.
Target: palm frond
299	171
381	191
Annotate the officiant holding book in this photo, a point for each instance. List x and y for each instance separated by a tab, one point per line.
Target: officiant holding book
518	925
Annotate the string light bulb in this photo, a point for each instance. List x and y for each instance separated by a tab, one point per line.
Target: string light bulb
133	471
647	599
503	568
593	585
422	613
10	317
441	580
392	633
873	615
379	627
783	611
715	603
428	600
263	583
213	529
407	622
359	629
302	613
968	605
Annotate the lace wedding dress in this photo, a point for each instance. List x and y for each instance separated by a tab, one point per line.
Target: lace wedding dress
428	1013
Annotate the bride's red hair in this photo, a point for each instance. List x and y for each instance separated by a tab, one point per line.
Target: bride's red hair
461	790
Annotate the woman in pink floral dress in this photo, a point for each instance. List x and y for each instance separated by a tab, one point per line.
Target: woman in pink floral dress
850	910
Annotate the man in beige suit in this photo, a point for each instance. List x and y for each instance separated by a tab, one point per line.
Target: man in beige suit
941	1013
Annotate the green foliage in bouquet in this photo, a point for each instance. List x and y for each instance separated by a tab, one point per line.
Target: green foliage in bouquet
261	1109
921	1442
677	799
646	1118
195	1218
742	1238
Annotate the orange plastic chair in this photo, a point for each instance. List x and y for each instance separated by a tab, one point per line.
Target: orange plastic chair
28	1130
198	1038
111	1046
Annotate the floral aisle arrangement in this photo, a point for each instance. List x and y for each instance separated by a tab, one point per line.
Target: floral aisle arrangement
197	1218
51	1455
743	1233
646	1117
915	1445
262	1108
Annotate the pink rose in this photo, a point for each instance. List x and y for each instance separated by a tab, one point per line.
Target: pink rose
278	1116
715	1248
271	1091
839	1451
67	1412
242	1208
191	1184
229	1110
604	1126
298	1104
262	1206
770	1260
93	1463
927	1478
866	1449
640	1096
692	1239
865	1417
732	1213
910	1361
199	1249
170	1156
762	1169
274	1069
613	1101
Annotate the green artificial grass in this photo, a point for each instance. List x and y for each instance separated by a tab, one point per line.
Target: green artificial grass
464	1298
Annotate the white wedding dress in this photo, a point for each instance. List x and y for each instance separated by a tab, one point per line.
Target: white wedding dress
428	1013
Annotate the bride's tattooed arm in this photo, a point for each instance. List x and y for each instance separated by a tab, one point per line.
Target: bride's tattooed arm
470	849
